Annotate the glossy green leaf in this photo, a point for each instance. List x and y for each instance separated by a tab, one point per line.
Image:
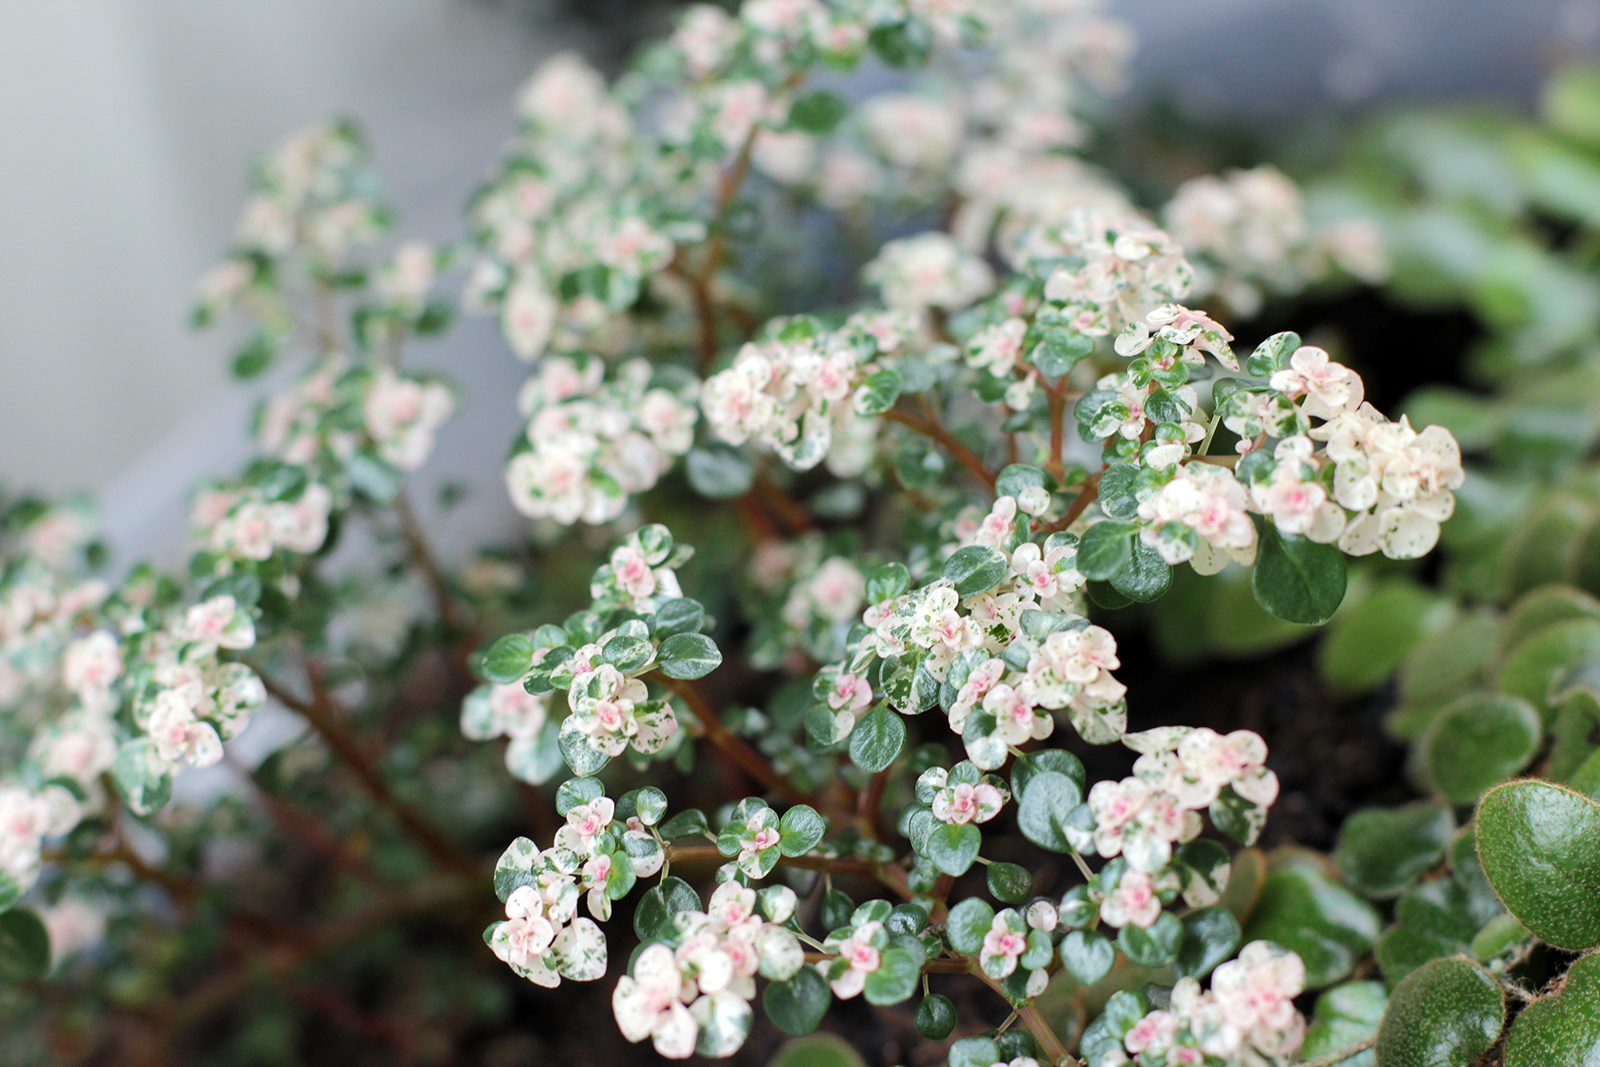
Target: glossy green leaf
1477	741
1445	1014
887	581
1156	945
1106	547
1562	1027
1383	850
796	1006
953	846
1045	808
801	829
877	739
1056	760
1540	846
1304	910
1210	936
975	569
508	659
1297	579
968	923
935	1018
652	919
688	656
1087	955
1346	1016
1009	882
688	823
1146	576
719	471
895	979
974	1052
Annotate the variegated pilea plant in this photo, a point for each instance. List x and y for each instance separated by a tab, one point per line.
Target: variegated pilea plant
827	289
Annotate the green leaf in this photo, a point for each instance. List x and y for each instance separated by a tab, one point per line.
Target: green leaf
679	615
627	654
1042	815
877	739
1449	661
652	919
142	776
1445	1014
575	791
1383	850
1009	882
953	846
1545	658
1545	607
1017	477
1327	925
1056	760
801	830
1059	350
1153	946
1105	549
10	892
902	44
1345	1016
24	945
1477	741
969	921
582	757
797	1005
1498	936
895	979
719	471
1272	354
1540	846
878	393
508	659
1118	491
935	1018
1432	921
975	569
818	111
1367	640
1146	577
1087	955
1297	579
688	656
1210	936
689	823
1562	1027
887	581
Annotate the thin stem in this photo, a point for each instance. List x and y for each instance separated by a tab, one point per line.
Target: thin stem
322	714
306	828
1085	497
749	760
1333	1058
1058	431
416	542
936	431
870	800
1049	1043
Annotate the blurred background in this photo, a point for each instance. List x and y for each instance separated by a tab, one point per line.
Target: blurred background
128	126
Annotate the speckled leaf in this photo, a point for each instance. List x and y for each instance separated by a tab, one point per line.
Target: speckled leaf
1445	1014
1562	1028
1540	846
